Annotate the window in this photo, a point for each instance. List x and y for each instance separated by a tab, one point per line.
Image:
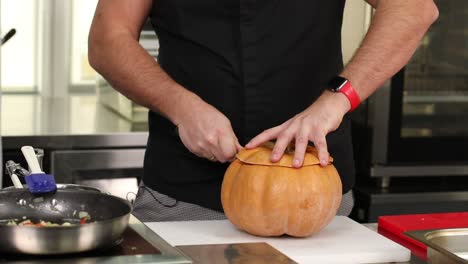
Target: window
20	55
48	54
82	15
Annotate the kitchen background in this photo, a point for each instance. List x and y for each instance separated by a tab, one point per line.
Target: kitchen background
410	138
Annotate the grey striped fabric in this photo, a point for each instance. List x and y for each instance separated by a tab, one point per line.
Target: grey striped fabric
152	206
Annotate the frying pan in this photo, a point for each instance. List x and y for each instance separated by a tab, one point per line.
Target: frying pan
109	218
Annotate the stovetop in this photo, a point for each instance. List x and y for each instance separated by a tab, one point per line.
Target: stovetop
139	245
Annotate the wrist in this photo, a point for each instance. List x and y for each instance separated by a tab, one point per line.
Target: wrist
341	85
338	100
183	103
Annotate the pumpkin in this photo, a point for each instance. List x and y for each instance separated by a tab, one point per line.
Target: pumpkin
273	199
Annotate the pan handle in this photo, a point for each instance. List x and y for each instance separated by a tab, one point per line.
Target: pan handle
31	159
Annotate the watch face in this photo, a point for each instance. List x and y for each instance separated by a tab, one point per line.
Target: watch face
337	83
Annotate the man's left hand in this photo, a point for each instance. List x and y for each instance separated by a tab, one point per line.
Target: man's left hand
313	124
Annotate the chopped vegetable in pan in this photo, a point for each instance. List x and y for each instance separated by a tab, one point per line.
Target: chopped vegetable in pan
40	224
84	219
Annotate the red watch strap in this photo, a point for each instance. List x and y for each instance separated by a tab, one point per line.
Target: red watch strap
351	94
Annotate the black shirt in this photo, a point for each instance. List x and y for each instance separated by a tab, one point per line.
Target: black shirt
260	62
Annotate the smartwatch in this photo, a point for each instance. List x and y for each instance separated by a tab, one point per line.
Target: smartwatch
342	85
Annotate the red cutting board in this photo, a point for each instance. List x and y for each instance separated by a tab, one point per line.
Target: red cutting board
394	226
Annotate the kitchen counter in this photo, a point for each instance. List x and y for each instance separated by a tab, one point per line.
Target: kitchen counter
215	255
245	252
77	121
410	196
79	135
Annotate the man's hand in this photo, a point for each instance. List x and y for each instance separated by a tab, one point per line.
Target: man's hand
114	51
313	124
206	132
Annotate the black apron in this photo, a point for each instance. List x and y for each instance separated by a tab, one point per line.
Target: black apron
259	62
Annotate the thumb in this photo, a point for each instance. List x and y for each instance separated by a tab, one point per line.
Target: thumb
239	146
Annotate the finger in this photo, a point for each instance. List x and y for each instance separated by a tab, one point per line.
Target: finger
198	150
263	137
236	142
227	148
217	156
201	154
302	141
321	144
239	146
281	143
212	152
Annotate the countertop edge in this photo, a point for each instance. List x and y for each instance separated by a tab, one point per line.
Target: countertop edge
109	140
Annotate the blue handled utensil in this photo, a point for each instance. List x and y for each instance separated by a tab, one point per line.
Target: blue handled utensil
38	182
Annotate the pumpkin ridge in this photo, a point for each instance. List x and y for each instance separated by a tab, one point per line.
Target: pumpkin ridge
237	205
264	196
288	212
229	183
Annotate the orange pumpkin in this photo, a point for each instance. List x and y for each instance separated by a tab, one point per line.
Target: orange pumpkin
273	199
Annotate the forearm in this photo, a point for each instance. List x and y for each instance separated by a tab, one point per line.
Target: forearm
395	33
128	67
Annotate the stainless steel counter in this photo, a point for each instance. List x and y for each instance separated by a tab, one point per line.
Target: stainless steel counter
78	134
114	140
196	254
77	121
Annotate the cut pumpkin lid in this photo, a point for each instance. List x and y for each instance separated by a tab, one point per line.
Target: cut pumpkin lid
262	154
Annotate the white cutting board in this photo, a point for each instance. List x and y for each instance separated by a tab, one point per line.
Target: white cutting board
342	241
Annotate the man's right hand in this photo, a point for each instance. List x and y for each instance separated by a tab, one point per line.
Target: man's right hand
206	132
114	51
